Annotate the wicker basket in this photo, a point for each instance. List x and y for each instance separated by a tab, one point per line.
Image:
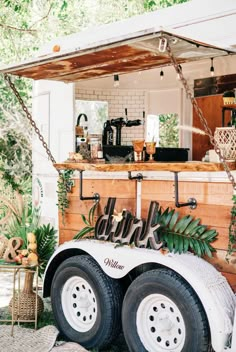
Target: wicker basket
27	301
228	100
225	139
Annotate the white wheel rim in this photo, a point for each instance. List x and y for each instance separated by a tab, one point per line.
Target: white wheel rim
160	324
79	304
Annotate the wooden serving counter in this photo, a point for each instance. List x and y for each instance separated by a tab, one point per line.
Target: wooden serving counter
145	166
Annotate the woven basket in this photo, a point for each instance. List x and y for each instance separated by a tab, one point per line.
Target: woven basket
225	139
228	100
27	301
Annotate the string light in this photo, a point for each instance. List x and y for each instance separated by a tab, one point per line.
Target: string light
116	81
212	70
179	71
161	75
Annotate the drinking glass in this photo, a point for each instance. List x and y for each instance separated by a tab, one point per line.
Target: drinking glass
138	145
150	149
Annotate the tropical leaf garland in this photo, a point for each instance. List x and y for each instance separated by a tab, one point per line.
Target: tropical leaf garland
184	234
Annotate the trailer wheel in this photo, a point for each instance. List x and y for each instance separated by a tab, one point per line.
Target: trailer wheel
162	313
86	302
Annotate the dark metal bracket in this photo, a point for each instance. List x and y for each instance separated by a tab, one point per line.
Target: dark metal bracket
139	177
192	203
95	197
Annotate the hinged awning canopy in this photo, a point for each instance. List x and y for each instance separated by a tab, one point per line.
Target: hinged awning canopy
133	44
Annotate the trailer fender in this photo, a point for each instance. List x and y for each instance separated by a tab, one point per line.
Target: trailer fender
117	261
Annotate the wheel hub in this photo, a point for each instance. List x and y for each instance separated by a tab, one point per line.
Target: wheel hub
83	302
79	304
165	322
160	324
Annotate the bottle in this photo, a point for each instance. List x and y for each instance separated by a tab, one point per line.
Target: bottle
100	151
107	137
94	143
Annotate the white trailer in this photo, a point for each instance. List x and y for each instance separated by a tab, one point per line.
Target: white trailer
162	302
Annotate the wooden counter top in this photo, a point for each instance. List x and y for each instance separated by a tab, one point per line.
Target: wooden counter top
156	166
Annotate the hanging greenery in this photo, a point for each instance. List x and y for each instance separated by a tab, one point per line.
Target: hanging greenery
64	185
184	234
232	230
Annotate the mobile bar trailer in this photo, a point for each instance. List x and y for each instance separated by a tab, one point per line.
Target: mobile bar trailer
163	301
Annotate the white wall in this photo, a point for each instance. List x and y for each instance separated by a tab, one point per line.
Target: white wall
118	100
53	111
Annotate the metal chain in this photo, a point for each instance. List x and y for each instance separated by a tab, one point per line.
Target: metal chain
29	117
199	112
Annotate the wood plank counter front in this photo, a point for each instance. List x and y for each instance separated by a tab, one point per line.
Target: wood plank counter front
155	166
214	198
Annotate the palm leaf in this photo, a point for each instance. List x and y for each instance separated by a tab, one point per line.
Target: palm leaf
89	222
192	226
92	212
83	232
181	235
183	223
46	244
173	220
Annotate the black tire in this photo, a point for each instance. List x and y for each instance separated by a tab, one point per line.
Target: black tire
86	303
161	312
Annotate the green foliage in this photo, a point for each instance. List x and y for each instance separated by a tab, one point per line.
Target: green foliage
64	185
155	4
24	219
169	133
232	231
15	137
15	160
184	234
89	222
46	244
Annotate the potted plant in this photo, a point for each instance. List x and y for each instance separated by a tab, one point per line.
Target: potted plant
39	242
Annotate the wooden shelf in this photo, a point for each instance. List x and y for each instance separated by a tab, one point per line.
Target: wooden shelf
231	106
155	166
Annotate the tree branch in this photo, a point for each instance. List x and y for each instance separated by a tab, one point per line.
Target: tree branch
43	18
29	30
17	29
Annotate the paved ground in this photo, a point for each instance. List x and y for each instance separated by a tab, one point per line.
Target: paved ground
5	289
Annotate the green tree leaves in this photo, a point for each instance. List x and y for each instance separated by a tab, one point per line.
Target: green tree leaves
169	133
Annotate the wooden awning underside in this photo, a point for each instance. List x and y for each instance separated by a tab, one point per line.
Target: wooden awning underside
124	56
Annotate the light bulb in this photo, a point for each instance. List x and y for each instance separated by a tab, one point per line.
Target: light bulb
178	74
116	81
161	75
212	70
